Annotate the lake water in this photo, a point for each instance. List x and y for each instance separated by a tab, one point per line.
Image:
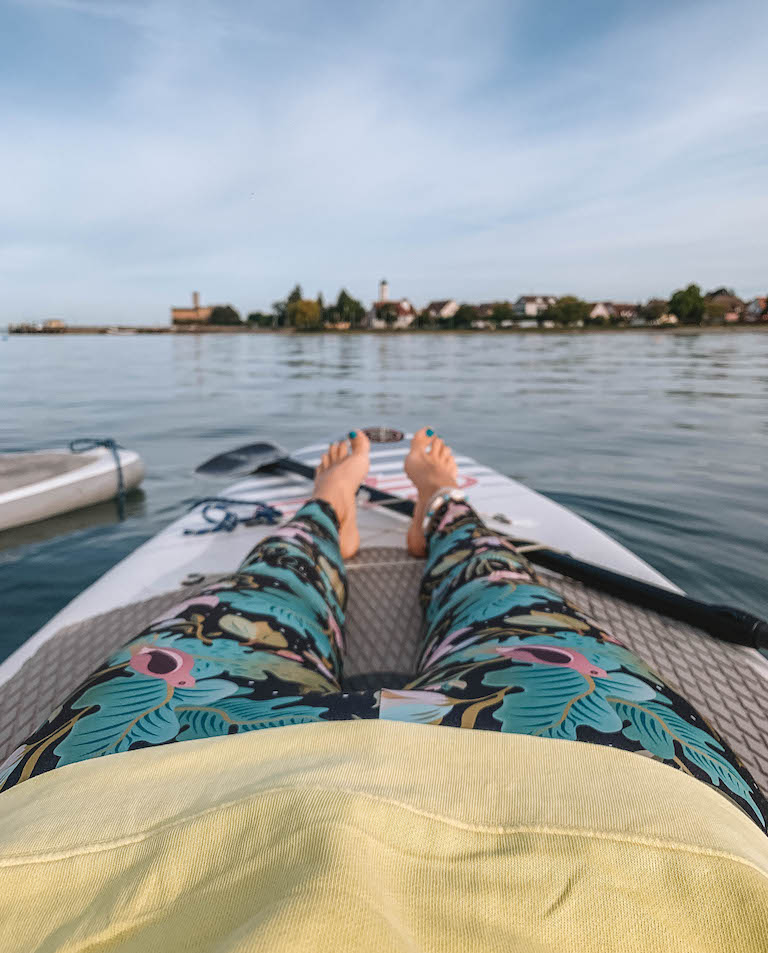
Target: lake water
660	439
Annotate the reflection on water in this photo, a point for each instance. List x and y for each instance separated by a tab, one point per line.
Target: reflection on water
661	439
100	514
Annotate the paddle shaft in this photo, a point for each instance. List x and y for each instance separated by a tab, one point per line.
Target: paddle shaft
723	622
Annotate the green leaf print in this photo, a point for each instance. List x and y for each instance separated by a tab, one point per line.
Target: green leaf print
554	701
246	714
130	709
657	728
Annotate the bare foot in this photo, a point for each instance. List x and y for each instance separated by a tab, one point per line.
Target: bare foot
431	466
338	479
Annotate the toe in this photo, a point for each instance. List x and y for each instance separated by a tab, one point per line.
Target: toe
324	462
342	450
360	442
422	438
438	445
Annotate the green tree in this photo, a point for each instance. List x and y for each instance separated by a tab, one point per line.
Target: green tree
260	319
568	310
224	314
347	309
502	311
688	305
304	314
462	319
281	307
424	319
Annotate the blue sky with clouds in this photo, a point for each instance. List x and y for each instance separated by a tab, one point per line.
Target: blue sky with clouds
475	150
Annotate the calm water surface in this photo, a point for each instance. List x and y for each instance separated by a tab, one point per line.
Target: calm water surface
662	440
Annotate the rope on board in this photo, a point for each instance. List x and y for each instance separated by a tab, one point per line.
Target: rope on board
84	444
223	520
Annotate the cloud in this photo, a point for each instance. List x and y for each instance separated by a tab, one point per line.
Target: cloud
476	152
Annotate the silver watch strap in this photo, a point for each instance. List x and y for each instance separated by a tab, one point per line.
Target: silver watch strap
445	493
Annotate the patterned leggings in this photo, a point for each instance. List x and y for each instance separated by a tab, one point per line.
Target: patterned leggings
265	647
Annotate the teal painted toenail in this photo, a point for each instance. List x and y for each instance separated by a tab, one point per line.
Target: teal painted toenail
352	434
430	432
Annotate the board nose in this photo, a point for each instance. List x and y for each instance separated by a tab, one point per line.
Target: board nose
383	434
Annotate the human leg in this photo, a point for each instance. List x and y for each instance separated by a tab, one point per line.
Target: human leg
259	649
503	652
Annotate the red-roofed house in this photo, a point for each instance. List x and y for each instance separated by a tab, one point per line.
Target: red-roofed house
386	313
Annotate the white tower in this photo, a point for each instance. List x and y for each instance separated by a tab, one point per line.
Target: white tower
383	290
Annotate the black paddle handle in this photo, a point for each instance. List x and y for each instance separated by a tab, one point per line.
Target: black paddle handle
723	622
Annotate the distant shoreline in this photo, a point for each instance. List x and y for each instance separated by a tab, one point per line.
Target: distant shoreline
125	330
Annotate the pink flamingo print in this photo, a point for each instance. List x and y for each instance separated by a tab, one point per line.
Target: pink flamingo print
171	665
552	655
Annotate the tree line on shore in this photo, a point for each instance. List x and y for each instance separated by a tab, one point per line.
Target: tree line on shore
688	306
296	311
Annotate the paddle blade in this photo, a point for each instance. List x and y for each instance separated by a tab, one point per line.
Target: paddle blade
242	461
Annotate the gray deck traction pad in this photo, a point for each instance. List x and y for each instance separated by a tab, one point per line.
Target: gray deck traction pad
383	633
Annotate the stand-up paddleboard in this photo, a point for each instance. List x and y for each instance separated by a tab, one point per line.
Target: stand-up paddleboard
383	584
167	560
44	483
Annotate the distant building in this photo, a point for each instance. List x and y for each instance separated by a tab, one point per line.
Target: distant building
194	315
627	312
756	310
436	310
531	306
55	324
387	313
600	311
667	319
614	310
723	305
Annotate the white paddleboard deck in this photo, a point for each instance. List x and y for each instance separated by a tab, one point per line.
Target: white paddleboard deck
44	483
165	562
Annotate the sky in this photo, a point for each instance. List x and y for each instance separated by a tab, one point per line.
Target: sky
476	150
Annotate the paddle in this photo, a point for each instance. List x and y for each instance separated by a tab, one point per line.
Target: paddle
723	622
255	457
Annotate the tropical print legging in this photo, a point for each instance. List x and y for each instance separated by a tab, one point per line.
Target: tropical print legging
265	648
